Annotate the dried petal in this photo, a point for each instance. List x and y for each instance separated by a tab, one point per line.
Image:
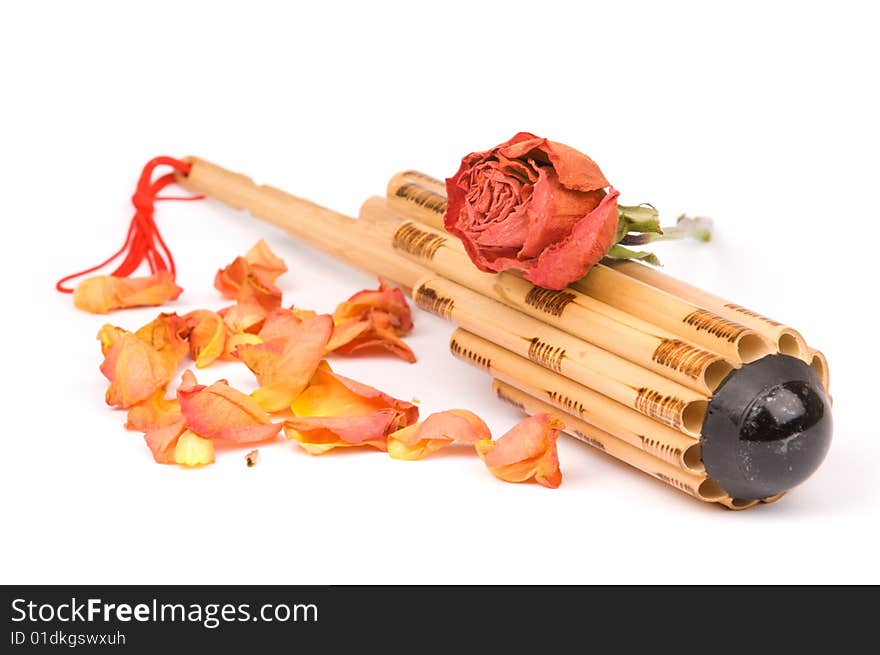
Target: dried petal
262	259
284	366
157	411
386	299
233	341
104	293
108	334
244	317
245	284
280	323
166	334
136	371
221	412
252	458
207	338
162	441
193	450
372	333
527	451
436	432
318	435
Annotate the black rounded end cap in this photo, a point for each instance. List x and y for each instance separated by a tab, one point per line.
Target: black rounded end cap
767	428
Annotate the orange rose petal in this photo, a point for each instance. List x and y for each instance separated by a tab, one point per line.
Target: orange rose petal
108	334
329	394
221	412
284	366
104	293
373	333
233	341
157	411
320	434
252	458
166	334
262	259
244	317
436	432
280	323
207	338
193	450
162	441
244	284
303	314
346	332
386	299
527	451
136	371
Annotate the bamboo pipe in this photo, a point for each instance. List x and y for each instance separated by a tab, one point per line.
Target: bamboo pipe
820	365
695	484
629	384
788	340
602	325
334	233
421	197
624	423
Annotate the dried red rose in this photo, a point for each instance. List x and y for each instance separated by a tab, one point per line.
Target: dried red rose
533	205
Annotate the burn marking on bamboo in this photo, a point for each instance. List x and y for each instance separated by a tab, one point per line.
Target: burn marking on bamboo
660	449
667	409
682	357
749	312
502	395
545	354
703	319
428	299
418	175
425	198
417	242
572	405
588	439
675	483
466	353
548	301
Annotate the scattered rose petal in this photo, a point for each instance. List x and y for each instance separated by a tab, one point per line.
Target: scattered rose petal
104	293
193	450
386	299
233	341
250	279
108	334
252	458
527	451
284	366
320	434
162	441
166	334
244	317
157	411
263	260
436	432
221	412
136	371
280	323
207	337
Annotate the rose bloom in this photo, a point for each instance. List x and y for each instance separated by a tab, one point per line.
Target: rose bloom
533	205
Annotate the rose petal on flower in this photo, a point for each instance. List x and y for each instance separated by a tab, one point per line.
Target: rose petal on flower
246	284
386	299
166	333
329	394
104	293
436	432
162	441
221	412
233	341
157	411
284	366
207	337
262	259
280	323
136	371
107	335
320	434
244	317
193	450
527	451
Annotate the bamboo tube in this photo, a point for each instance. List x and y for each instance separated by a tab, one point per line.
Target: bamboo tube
419	196
334	233
697	485
733	340
375	211
624	423
611	329
629	384
788	340
820	365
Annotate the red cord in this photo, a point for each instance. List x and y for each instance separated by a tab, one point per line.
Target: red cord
143	241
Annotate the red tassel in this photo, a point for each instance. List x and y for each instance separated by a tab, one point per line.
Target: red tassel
143	241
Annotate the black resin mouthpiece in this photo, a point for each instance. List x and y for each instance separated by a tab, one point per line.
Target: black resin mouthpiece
767	429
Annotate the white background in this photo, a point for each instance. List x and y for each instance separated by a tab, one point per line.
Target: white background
762	115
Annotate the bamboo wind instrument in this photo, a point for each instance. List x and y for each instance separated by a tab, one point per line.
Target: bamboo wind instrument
648	377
